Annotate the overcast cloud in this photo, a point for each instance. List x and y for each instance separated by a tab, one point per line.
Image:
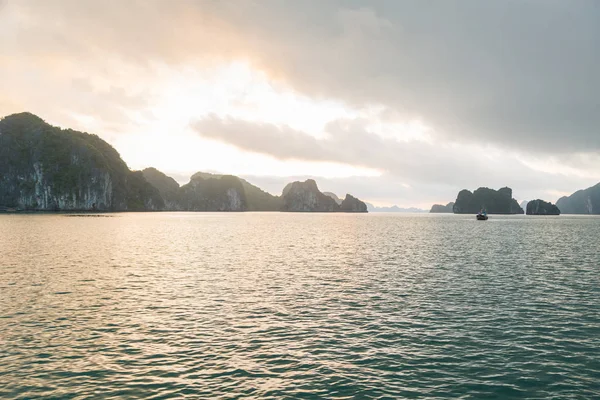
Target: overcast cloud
413	164
509	88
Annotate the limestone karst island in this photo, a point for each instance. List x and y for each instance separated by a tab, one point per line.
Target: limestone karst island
45	168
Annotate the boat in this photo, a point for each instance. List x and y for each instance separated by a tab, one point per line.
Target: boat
482	216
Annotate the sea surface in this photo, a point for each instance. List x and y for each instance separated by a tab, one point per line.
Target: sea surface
276	305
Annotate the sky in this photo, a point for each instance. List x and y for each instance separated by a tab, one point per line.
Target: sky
396	102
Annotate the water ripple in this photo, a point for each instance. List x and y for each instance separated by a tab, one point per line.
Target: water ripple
277	306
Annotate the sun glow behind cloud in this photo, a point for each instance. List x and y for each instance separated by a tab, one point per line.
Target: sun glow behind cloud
237	90
158	131
580	165
163	137
382	98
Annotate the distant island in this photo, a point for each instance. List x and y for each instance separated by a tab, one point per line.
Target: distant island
439	208
493	201
46	168
501	202
541	207
394	209
585	201
305	196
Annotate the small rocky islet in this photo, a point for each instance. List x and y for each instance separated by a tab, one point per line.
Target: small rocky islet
541	207
440	208
495	202
46	168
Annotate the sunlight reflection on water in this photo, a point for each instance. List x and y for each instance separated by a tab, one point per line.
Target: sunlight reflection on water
299	305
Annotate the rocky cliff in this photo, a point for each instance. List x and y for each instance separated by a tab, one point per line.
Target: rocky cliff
224	193
259	200
212	192
352	204
167	187
46	168
581	202
306	197
540	207
438	208
255	198
333	196
494	201
43	167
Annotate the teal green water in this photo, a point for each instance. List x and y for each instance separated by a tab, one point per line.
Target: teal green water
277	306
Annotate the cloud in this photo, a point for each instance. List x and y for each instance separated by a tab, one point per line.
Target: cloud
520	74
414	163
509	88
281	142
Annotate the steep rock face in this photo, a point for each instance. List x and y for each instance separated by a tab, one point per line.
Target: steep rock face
140	194
259	200
438	208
211	192
47	168
581	202
256	198
167	187
334	196
43	167
224	193
540	207
306	197
352	204
494	201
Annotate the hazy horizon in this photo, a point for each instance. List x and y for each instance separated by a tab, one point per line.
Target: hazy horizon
396	102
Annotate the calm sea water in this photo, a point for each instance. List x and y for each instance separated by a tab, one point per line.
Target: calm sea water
172	305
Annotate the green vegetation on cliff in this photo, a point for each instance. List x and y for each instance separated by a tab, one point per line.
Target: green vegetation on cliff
494	201
256	199
212	192
223	193
306	197
167	187
43	167
140	195
165	184
259	200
